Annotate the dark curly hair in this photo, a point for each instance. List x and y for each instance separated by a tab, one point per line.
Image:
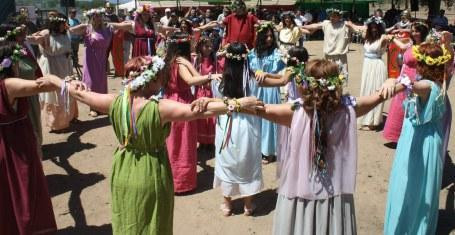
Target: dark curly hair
299	53
422	29
261	46
6	50
232	84
371	36
176	49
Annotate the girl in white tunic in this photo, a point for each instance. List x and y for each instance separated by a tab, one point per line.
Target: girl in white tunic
238	136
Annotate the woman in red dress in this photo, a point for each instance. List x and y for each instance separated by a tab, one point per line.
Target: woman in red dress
182	140
144	33
24	198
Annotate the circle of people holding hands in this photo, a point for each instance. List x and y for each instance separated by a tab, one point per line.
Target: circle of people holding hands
180	92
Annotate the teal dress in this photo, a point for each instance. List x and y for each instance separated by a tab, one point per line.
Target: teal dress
272	63
415	180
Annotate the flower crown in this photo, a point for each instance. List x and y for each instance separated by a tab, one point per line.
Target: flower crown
416	23
144	9
56	19
440	60
434	36
233	56
94	11
263	26
375	19
146	74
18	53
180	40
18	30
330	11
331	83
237	4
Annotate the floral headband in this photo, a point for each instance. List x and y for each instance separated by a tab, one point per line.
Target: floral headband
56	19
331	83
375	19
233	56
180	40
440	60
419	23
237	4
265	25
434	36
94	11
330	11
148	73
18	30
144	9
18	53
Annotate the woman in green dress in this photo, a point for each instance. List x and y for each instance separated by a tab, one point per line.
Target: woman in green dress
141	182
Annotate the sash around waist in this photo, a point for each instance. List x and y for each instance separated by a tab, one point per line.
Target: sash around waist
372	56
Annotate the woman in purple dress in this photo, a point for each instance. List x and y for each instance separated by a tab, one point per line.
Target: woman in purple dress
24	198
97	39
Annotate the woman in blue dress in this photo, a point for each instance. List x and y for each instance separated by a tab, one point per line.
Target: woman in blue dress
415	180
266	58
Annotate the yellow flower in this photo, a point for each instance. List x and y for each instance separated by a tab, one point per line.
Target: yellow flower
430	61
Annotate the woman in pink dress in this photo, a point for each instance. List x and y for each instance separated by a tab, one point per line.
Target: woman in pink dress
392	128
25	203
145	38
182	141
97	40
206	63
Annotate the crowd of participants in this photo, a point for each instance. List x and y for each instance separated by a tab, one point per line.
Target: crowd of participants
198	82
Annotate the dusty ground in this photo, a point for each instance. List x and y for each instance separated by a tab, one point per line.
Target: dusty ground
78	164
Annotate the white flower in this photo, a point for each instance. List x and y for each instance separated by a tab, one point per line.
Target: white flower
322	81
331	88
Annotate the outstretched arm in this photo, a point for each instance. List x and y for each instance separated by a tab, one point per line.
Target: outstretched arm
174	111
278	113
273	80
78	29
312	27
126	25
17	87
191	79
97	101
38	37
366	103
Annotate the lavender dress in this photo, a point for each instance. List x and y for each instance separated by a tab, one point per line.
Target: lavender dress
311	203
96	44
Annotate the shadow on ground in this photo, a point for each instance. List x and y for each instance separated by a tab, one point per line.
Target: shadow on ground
446	220
105	229
74	181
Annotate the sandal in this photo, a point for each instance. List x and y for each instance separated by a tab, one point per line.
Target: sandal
249	212
227	210
268	159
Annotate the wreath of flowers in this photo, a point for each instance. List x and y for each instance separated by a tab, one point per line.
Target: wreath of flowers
330	83
330	11
18	30
180	40
94	11
146	74
57	19
18	53
416	23
440	60
434	36
263	26
233	56
375	19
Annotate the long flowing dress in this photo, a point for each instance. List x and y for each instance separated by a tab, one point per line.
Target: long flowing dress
374	73
25	203
310	202
56	59
182	141
415	180
96	43
272	63
238	169
29	69
144	40
141	181
394	121
206	127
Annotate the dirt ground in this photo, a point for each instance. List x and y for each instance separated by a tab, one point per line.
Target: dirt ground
77	165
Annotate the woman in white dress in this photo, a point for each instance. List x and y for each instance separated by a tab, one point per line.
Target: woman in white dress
55	47
374	71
